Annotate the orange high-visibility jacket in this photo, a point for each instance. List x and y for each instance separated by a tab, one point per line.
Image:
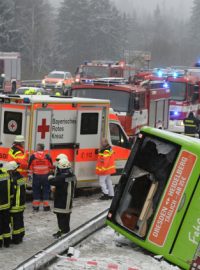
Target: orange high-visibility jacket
105	162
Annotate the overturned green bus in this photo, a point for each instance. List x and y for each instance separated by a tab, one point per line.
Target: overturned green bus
157	201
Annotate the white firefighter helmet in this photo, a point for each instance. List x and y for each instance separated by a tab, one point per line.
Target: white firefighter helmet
61	156
19	138
63	163
11	166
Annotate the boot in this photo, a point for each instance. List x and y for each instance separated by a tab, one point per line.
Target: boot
58	234
104	197
46	206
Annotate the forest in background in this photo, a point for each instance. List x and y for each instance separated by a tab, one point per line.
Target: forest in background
64	36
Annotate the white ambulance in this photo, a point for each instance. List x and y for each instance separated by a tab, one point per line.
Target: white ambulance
73	126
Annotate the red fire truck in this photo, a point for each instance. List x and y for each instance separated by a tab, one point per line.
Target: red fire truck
184	88
135	105
92	70
103	69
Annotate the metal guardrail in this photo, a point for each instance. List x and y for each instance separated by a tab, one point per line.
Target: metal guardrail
46	256
33	83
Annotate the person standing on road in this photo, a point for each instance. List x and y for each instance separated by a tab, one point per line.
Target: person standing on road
191	125
104	168
65	183
17	203
5	199
16	153
40	165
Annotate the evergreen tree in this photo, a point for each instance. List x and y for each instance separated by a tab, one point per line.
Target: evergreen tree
194	34
6	25
33	20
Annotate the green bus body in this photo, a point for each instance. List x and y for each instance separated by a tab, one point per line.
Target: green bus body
157	201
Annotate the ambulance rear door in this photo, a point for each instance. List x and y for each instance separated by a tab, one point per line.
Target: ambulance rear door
14	121
41	132
87	143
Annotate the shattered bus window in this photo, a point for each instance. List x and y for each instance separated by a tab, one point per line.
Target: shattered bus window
152	166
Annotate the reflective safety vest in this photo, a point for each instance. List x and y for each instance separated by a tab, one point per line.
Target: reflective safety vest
40	163
19	193
17	154
5	190
105	162
190	127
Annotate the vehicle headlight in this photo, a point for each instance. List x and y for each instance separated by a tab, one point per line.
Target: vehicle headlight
179	123
59	83
43	82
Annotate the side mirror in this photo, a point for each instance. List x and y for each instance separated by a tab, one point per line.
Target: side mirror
136	103
195	97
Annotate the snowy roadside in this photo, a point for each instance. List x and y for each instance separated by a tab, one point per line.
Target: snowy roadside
40	227
108	250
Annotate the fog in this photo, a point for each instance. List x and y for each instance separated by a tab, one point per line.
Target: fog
64	33
180	8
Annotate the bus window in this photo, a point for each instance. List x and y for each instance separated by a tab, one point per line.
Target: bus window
117	136
150	171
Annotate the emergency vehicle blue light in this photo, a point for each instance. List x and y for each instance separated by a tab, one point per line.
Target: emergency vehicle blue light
160	73
175	74
176	113
26	100
89	81
165	85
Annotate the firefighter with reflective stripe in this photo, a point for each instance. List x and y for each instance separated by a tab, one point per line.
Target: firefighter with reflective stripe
5	203
191	125
104	168
65	183
40	165
16	153
17	203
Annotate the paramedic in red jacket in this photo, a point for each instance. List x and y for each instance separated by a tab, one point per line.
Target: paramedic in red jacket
104	168
40	165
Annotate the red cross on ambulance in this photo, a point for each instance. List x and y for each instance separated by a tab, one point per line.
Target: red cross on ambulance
43	128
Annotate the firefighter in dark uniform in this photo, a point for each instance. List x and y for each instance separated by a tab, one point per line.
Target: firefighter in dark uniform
18	202
191	125
64	182
5	202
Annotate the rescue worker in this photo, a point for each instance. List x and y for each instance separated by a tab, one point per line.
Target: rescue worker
5	200
65	183
16	153
104	168
40	165
18	202
191	125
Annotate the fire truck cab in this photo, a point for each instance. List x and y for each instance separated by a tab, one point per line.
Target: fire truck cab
135	105
73	126
185	93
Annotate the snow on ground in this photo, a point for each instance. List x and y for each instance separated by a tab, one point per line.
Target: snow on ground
40	227
108	250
